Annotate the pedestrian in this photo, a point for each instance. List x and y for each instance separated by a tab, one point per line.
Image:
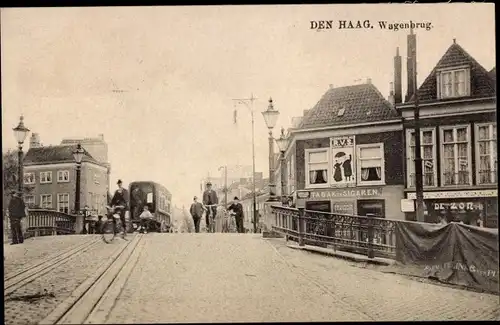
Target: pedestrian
17	211
196	211
146	218
210	199
237	210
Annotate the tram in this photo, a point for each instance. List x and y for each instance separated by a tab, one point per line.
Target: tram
159	201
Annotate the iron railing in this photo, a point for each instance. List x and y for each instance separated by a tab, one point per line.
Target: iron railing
368	235
49	222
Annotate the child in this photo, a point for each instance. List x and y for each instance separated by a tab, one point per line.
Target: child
145	217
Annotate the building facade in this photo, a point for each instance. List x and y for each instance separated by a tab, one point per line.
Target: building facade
347	152
457	103
51	173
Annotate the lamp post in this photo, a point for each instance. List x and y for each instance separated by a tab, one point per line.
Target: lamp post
271	117
20	132
282	144
225	184
78	155
250	108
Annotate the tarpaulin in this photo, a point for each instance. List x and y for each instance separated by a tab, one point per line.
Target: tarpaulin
453	253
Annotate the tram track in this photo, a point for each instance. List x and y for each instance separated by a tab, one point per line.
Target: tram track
16	280
93	299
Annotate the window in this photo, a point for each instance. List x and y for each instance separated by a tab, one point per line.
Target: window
29	178
455	156
63	202
62	176
453	83
316	167
428	154
29	200
486	153
46	201
45	177
371	164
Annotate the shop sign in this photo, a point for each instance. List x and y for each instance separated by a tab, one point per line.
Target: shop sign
455	194
333	193
343	207
461	206
343	158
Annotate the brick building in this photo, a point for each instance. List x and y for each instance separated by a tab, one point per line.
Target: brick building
457	102
347	151
51	172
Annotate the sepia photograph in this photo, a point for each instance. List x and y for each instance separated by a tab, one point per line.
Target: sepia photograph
249	163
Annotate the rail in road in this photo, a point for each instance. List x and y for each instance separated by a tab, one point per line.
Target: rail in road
93	299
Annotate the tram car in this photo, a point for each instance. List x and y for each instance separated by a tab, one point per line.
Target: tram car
159	201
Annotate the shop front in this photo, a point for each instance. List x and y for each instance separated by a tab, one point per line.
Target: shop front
355	201
475	207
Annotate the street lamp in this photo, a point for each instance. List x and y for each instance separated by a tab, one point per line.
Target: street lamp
250	108
20	132
282	144
78	155
271	117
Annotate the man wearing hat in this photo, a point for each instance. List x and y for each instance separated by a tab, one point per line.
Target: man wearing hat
210	198
237	209
17	211
121	198
196	211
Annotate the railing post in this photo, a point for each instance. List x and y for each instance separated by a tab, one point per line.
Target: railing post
301	226
371	253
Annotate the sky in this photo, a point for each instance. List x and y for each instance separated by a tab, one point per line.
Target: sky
180	67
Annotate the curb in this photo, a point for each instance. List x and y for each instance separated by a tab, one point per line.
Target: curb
271	234
343	255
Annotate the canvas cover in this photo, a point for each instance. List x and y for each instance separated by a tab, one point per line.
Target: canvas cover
454	253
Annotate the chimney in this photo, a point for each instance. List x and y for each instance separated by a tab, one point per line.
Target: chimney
101	136
391	98
331	86
369	81
410	64
304	113
35	141
398	91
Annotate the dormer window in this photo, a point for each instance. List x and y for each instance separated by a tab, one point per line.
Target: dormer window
341	112
453	83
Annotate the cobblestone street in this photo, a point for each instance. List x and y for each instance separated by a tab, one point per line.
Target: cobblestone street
226	278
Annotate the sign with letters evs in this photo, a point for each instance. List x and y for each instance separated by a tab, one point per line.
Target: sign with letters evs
302	196
342	150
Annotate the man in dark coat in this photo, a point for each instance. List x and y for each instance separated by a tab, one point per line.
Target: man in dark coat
17	211
121	198
237	210
210	198
196	211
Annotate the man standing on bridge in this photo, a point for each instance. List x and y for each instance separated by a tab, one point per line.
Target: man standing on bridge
17	211
237	211
210	198
196	211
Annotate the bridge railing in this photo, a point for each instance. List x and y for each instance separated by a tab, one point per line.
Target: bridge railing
40	222
357	234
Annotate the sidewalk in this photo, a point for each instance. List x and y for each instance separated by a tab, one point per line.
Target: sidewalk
343	255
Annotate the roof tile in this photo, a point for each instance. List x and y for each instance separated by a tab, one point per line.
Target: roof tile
360	104
482	83
53	154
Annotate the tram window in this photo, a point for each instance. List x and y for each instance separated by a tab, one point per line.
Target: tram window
149	198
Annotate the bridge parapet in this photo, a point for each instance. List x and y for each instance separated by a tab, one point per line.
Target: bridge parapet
357	234
49	222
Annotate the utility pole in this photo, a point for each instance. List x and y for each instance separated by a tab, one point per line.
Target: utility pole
250	107
419	186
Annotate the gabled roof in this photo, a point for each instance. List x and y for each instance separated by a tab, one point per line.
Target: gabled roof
360	103
493	73
482	85
55	154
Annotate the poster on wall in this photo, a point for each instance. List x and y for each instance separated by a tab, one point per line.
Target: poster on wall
343	169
